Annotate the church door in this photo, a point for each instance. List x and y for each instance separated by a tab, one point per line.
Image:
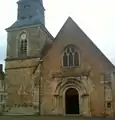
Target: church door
72	101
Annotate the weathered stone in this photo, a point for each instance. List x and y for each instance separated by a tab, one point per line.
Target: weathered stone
39	81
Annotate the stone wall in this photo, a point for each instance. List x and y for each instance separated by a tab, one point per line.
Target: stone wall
90	59
36	39
19	83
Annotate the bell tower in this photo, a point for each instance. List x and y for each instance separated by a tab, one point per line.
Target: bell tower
27	41
23	35
31	10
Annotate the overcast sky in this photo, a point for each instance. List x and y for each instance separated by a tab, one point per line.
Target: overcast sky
95	17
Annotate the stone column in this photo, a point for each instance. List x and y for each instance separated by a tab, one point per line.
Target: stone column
56	109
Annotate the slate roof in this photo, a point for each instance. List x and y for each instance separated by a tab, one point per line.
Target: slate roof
25	23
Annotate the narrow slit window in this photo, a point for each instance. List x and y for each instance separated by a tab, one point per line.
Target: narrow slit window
26	6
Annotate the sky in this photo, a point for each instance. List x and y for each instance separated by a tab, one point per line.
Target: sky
95	17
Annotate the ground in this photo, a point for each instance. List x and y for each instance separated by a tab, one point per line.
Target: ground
53	118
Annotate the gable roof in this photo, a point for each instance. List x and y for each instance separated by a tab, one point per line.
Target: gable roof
81	32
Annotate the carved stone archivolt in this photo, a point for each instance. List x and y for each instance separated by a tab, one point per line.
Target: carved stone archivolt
61	85
70	82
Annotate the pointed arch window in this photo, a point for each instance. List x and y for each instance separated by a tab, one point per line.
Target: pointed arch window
23	44
70	57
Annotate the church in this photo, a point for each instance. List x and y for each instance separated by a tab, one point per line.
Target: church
65	75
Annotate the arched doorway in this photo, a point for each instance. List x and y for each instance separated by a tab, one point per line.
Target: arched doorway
72	101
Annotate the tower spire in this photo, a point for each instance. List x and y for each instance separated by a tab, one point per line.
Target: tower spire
30	0
31	8
30	12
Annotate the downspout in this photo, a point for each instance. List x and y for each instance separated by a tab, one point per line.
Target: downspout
39	84
42	54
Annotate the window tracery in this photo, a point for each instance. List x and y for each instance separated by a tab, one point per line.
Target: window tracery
70	57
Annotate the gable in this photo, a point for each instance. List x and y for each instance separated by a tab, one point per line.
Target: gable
73	32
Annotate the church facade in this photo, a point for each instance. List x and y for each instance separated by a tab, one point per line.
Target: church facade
64	75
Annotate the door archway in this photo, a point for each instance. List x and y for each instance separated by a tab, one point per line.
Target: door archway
72	101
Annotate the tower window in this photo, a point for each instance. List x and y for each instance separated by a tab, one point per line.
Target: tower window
70	57
23	18
26	6
23	44
30	16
